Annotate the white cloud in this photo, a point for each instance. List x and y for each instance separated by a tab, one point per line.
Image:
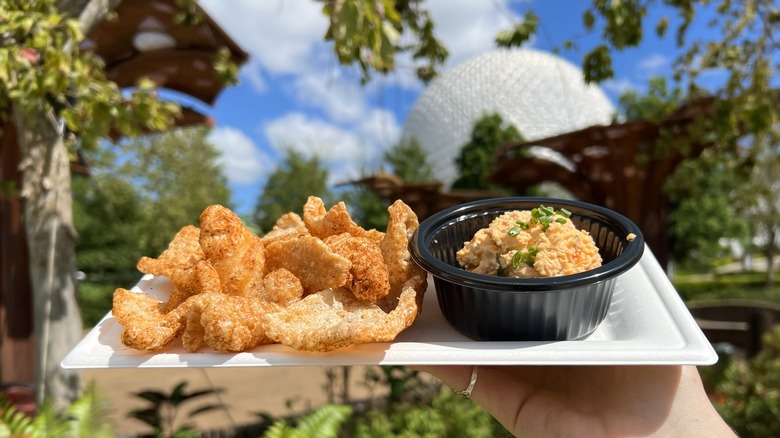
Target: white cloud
381	128
618	86
242	160
348	131
468	27
282	36
344	150
343	100
653	64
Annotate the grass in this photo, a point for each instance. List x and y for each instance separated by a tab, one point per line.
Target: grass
743	285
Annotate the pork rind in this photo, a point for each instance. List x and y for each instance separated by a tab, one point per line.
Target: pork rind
322	223
288	226
234	250
146	326
309	259
368	276
315	283
226	323
184	251
334	318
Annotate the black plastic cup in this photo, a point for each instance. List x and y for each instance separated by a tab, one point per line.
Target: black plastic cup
492	308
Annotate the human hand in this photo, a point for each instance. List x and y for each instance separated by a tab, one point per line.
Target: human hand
593	401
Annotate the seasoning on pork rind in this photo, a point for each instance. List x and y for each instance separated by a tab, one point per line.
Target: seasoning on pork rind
288	226
146	327
368	274
184	251
281	287
226	323
233	249
334	318
309	259
188	282
322	223
395	245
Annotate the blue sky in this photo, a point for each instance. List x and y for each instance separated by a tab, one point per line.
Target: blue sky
293	93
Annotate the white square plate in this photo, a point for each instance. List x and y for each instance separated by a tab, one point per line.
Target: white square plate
647	324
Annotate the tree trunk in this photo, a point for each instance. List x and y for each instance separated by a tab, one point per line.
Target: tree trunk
47	207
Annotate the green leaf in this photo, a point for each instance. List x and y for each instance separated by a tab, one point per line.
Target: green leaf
588	20
597	65
661	27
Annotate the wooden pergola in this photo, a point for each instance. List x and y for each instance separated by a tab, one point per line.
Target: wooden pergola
424	199
143	40
617	166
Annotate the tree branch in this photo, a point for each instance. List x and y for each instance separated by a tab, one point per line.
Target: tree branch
89	12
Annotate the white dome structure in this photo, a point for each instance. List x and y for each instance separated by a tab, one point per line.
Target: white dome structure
539	93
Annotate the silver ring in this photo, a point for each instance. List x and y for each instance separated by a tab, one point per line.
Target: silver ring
466	393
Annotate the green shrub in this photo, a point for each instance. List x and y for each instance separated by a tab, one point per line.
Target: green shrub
448	415
324	422
746	286
85	418
748	396
164	412
94	301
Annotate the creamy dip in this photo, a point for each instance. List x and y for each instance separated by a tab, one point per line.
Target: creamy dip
530	243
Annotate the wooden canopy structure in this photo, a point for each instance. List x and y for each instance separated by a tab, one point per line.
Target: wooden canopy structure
424	199
142	40
145	40
617	166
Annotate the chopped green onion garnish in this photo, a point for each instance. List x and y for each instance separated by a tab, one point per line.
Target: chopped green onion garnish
524	257
514	231
516	259
545	215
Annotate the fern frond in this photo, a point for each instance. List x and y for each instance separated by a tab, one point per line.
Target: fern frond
48	422
12	421
281	429
89	416
325	422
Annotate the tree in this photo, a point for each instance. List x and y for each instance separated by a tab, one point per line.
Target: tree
288	188
761	202
654	105
177	176
45	79
134	206
368	32
747	52
706	209
409	162
107	215
701	191
475	160
746	106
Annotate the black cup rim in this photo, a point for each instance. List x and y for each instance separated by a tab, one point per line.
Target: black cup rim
421	240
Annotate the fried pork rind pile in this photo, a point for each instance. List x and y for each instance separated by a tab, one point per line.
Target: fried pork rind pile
315	283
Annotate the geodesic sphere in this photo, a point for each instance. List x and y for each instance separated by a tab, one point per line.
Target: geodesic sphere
540	93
